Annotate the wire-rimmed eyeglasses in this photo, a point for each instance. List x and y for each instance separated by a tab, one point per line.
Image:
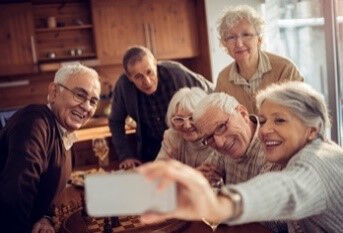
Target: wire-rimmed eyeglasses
80	96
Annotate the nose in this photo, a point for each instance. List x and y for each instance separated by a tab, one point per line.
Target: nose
87	106
219	141
265	129
239	41
187	124
147	80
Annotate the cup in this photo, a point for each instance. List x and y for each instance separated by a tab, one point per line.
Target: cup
52	23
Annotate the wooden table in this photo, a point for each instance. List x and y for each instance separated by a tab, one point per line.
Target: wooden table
74	194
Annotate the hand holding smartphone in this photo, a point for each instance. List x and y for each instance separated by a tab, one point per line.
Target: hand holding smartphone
127	193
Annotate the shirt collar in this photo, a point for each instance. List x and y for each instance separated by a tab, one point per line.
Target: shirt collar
263	67
68	138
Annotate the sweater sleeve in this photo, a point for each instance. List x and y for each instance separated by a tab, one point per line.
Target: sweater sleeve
117	122
295	193
170	145
28	160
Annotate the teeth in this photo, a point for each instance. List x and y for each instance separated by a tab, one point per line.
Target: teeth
80	115
272	143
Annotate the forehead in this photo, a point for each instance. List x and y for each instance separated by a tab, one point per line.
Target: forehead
182	111
140	66
269	107
86	82
241	26
210	119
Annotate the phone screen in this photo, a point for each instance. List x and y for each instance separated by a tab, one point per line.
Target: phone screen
126	193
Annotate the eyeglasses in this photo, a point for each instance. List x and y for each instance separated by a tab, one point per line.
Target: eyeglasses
244	37
218	131
81	97
178	121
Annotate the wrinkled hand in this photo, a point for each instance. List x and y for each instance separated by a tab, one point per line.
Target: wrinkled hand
43	225
129	164
195	198
210	172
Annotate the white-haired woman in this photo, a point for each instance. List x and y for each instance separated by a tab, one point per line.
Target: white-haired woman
240	33
307	193
181	140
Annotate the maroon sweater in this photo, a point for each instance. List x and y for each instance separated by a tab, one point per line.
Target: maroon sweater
34	167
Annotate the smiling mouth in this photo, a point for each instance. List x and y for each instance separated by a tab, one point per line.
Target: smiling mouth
78	115
272	143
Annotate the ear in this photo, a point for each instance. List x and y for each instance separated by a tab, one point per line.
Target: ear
243	111
312	133
52	92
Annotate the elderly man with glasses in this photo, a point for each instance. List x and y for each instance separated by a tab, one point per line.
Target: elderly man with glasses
226	126
35	144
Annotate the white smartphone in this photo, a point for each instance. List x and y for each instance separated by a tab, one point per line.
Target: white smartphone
126	193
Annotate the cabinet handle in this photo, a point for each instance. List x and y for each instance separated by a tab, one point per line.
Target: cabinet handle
153	39
33	50
147	36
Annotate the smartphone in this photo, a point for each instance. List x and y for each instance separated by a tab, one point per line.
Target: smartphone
126	193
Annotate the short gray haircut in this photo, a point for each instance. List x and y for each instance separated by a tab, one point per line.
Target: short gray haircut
185	98
233	15
300	98
68	71
220	100
135	54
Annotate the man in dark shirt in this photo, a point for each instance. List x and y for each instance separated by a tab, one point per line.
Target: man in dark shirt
35	160
143	92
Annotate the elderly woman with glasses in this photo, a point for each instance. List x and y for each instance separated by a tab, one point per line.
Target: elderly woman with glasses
307	193
240	33
181	141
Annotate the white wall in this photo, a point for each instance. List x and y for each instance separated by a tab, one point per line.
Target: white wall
214	9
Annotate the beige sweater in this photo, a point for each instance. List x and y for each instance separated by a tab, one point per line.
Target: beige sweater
282	70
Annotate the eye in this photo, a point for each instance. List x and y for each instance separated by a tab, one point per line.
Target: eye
279	120
230	38
138	77
80	95
247	34
262	120
149	72
94	101
220	129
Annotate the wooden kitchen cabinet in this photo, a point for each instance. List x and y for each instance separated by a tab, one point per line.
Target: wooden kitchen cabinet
17	46
167	28
117	25
69	38
172	28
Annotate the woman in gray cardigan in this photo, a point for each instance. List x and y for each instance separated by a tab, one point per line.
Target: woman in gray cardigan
307	193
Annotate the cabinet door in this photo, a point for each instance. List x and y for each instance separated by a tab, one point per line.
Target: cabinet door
172	28
118	24
16	39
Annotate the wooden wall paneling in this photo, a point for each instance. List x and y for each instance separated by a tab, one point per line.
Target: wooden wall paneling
118	24
16	39
201	63
172	27
33	93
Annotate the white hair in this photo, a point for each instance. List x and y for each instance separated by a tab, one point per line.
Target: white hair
231	16
300	98
68	71
220	100
185	98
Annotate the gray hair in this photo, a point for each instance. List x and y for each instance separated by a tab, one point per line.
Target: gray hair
220	100
233	15
67	71
185	98
305	102
134	54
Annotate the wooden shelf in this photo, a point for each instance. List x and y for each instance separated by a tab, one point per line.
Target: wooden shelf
66	28
55	65
59	58
97	132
